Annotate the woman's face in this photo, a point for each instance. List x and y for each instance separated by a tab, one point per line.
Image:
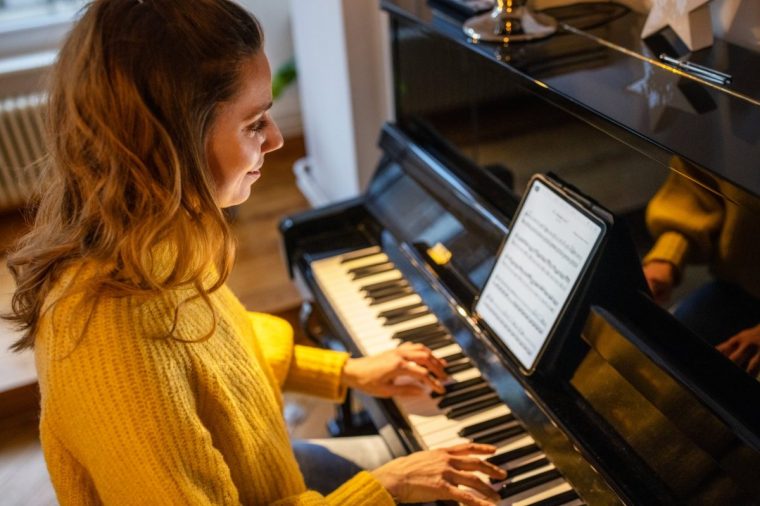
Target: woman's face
242	133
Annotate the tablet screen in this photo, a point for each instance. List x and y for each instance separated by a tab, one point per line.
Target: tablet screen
548	247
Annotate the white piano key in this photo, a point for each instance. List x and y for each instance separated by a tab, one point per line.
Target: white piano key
529	495
547	492
521	460
513	444
447	350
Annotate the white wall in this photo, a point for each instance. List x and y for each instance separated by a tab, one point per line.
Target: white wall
343	78
275	18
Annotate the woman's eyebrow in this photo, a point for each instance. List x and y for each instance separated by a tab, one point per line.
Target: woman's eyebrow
258	110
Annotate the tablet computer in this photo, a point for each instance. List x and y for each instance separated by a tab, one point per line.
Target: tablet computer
554	238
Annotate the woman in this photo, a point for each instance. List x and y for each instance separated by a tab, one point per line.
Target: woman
157	386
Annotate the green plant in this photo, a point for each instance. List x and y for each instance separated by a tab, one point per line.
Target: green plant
283	77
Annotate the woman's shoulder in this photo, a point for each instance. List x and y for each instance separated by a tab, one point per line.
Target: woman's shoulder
80	309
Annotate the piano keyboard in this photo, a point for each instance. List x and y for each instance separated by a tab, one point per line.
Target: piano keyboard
380	310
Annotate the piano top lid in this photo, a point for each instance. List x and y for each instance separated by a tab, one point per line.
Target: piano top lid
610	78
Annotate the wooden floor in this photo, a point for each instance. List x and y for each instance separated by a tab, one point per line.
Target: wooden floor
259	279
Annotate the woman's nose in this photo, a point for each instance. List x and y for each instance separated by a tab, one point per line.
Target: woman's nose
274	140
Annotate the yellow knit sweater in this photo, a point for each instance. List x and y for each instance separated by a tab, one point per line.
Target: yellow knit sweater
131	417
693	224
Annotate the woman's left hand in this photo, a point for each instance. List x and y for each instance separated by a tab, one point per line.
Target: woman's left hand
744	349
376	375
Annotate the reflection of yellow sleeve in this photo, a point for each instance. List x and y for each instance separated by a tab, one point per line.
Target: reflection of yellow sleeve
301	368
685	219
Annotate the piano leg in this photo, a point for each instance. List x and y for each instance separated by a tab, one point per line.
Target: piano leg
349	423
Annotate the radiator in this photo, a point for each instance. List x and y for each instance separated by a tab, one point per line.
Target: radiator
22	148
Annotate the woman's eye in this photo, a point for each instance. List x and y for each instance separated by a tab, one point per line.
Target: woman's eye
256	127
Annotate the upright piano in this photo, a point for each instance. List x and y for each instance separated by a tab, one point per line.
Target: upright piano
628	406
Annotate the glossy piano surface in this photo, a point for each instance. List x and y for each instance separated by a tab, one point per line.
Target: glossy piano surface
598	439
606	76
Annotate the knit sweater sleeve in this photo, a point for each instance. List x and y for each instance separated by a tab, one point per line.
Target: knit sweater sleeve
125	405
361	490
300	368
685	219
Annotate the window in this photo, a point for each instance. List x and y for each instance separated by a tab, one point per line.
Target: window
29	26
17	13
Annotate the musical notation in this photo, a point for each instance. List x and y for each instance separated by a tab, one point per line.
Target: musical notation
536	271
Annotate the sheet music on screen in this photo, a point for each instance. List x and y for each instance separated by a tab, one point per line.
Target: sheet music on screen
549	245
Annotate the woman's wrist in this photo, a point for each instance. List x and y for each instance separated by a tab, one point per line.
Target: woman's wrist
388	482
348	375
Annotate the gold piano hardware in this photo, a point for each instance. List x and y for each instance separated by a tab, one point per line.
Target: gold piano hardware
439	253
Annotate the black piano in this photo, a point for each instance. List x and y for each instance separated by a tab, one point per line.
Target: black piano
628	406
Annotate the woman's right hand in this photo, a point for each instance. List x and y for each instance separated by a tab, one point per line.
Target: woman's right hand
661	278
435	475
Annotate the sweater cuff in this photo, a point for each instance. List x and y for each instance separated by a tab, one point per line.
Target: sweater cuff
317	372
670	247
362	489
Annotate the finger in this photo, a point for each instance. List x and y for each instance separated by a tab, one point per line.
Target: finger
740	355
455	493
426	359
754	364
485	467
726	347
468	448
419	373
475	483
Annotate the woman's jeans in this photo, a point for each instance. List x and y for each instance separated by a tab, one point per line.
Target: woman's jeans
717	311
326	464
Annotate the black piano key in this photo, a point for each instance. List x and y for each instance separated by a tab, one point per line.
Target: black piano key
381	284
406	317
503	458
431	338
499	435
454	357
366	272
557	500
450	400
441	343
356	255
389	297
423	329
473	407
455	368
469	430
425	336
460	385
530	466
516	487
387	290
398	311
369	267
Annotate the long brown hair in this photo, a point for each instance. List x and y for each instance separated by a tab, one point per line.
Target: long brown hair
131	100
